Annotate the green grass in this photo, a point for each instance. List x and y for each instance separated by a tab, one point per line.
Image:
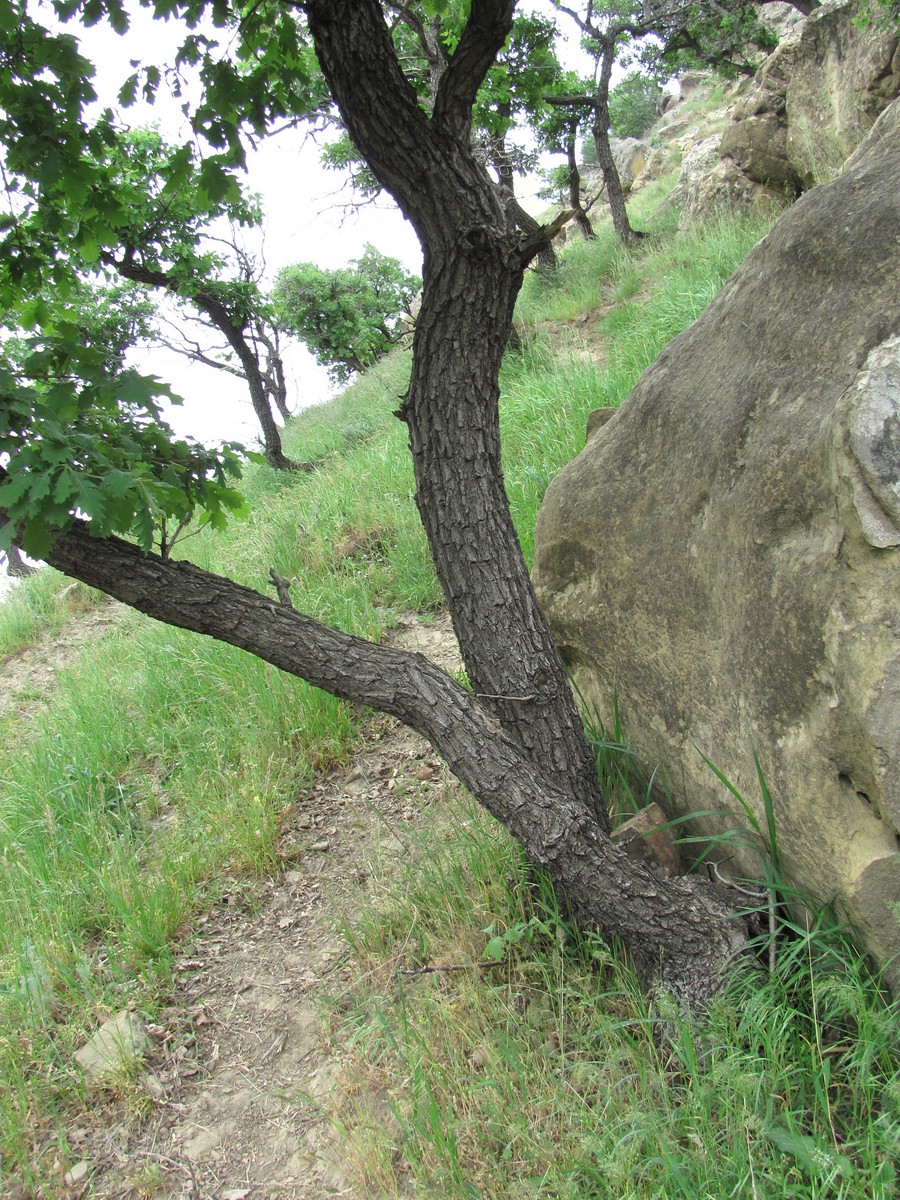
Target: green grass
551	1075
162	765
43	605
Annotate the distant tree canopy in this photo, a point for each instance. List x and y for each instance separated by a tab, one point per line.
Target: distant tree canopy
633	105
348	317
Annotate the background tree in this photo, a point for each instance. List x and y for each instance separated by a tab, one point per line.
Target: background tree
634	105
166	246
632	110
262	331
606	30
558	130
349	317
515	739
664	36
16	565
727	36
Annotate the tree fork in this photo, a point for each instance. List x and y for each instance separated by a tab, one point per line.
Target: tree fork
517	743
682	934
474	264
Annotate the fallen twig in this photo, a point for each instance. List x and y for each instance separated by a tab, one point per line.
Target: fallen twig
433	970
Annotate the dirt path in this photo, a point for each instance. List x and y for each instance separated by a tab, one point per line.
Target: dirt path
240	1068
29	675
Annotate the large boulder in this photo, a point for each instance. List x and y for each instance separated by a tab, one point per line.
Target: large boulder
708	183
725	552
815	98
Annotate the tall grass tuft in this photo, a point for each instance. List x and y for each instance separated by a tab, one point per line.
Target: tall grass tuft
545	1076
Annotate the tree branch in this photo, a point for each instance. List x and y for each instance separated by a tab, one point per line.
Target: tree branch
433	49
486	30
570	101
545	234
357	57
557	829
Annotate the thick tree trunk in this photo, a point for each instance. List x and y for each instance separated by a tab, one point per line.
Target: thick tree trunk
474	262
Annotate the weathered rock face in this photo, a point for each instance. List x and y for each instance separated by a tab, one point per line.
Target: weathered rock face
630	156
842	76
885	133
726	550
814	99
708	183
780	19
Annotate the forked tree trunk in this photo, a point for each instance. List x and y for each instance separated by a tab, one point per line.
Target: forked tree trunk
473	268
259	398
581	218
273	376
516	740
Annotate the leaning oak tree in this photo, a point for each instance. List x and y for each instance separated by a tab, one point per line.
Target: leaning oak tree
516	739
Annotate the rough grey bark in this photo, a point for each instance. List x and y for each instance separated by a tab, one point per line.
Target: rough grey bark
516	740
681	934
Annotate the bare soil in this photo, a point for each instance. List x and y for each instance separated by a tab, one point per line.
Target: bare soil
241	1069
29	676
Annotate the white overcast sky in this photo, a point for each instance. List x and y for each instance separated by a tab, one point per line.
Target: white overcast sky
307	219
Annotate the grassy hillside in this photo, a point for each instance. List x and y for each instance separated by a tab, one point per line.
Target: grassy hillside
159	769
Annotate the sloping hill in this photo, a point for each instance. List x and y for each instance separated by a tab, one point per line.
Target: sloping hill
182	828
